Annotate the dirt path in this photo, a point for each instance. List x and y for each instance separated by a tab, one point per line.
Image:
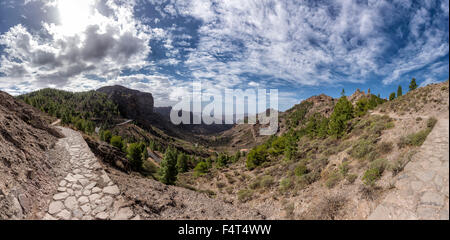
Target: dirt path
86	192
422	189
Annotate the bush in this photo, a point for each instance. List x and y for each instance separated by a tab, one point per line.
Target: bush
222	161
375	171
300	170
285	184
351	178
370	176
333	179
117	142
385	147
431	122
106	136
362	148
256	157
201	169
245	195
267	181
414	139
236	157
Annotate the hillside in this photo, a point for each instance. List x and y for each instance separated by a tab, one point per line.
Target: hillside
329	177
331	159
27	169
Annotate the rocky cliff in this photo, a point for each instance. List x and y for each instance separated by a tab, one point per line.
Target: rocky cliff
132	104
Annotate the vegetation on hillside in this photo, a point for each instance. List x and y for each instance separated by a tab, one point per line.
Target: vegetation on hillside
80	109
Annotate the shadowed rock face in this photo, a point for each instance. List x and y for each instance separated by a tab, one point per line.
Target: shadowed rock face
132	104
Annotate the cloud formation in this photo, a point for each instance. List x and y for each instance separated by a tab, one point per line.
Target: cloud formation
106	44
316	43
162	45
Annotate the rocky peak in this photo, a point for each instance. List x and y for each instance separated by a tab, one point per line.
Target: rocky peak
132	104
358	94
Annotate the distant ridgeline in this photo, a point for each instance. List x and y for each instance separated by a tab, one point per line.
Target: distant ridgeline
80	108
304	120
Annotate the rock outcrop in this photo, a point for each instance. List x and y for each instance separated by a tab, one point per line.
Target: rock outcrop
133	104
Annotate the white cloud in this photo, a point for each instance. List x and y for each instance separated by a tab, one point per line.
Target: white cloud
103	45
307	43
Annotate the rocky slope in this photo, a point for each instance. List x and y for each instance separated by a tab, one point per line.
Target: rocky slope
26	171
336	182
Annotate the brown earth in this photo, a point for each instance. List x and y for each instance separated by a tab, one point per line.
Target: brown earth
26	170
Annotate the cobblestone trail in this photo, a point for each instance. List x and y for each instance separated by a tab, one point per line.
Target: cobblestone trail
421	190
86	192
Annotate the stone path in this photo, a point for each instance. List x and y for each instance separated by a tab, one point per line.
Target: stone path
86	192
421	190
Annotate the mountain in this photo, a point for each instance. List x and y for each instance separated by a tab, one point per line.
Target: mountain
133	104
356	157
26	169
339	158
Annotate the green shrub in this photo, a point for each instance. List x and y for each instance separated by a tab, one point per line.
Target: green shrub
267	181
236	157
201	169
106	136
117	142
431	122
351	178
256	157
370	176
374	172
414	139
285	184
255	184
300	170
222	160
309	178
344	168
362	148
333	179
245	195
385	147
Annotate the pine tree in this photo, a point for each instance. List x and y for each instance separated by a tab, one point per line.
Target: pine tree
399	91
134	155
343	111
182	163
413	84
392	96
168	167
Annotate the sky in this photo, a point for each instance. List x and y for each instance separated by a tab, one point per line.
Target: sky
301	48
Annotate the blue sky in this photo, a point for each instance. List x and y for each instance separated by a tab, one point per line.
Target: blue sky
301	48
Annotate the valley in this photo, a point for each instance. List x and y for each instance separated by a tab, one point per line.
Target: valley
355	157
